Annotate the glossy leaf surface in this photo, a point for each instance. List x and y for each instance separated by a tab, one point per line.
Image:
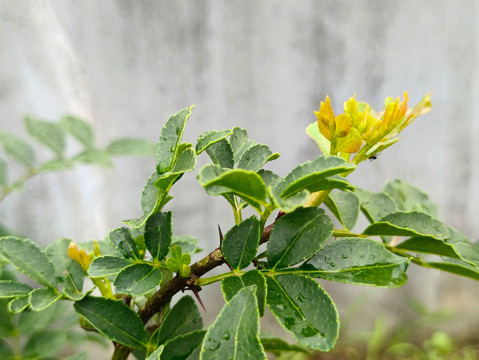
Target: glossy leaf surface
246	184
158	234
358	261
235	332
408	224
114	319
308	176
185	346
138	279
184	317
295	301
241	242
297	236
231	285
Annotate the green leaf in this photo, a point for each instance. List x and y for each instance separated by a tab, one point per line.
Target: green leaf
241	242
158	234
19	304
297	236
183	318
221	154
375	206
68	271
184	347
155	355
428	245
408	224
80	129
114	319
311	175
239	142
231	285
56	165
235	332
18	149
132	146
121	238
468	251
107	266
410	198
44	343
12	288
27	257
149	199
170	139
276	345
456	267
186	161
358	261
246	184
254	158
95	156
295	300
345	206
209	138
3	173
47	133
138	279
42	298
324	144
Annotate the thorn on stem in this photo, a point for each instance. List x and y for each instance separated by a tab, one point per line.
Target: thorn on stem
196	290
221	234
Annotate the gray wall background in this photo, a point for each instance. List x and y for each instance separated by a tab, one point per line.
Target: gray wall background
125	66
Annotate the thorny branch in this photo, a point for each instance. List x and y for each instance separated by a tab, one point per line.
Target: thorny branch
159	299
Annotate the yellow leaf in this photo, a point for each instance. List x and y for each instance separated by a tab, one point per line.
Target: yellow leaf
351	143
343	124
326	119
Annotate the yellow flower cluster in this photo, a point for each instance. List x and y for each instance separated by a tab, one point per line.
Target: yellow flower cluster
361	131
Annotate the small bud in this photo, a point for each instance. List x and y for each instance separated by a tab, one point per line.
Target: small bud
80	256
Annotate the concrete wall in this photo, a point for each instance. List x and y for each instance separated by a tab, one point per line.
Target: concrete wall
125	66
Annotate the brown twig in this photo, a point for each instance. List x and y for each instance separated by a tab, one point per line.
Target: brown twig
159	299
